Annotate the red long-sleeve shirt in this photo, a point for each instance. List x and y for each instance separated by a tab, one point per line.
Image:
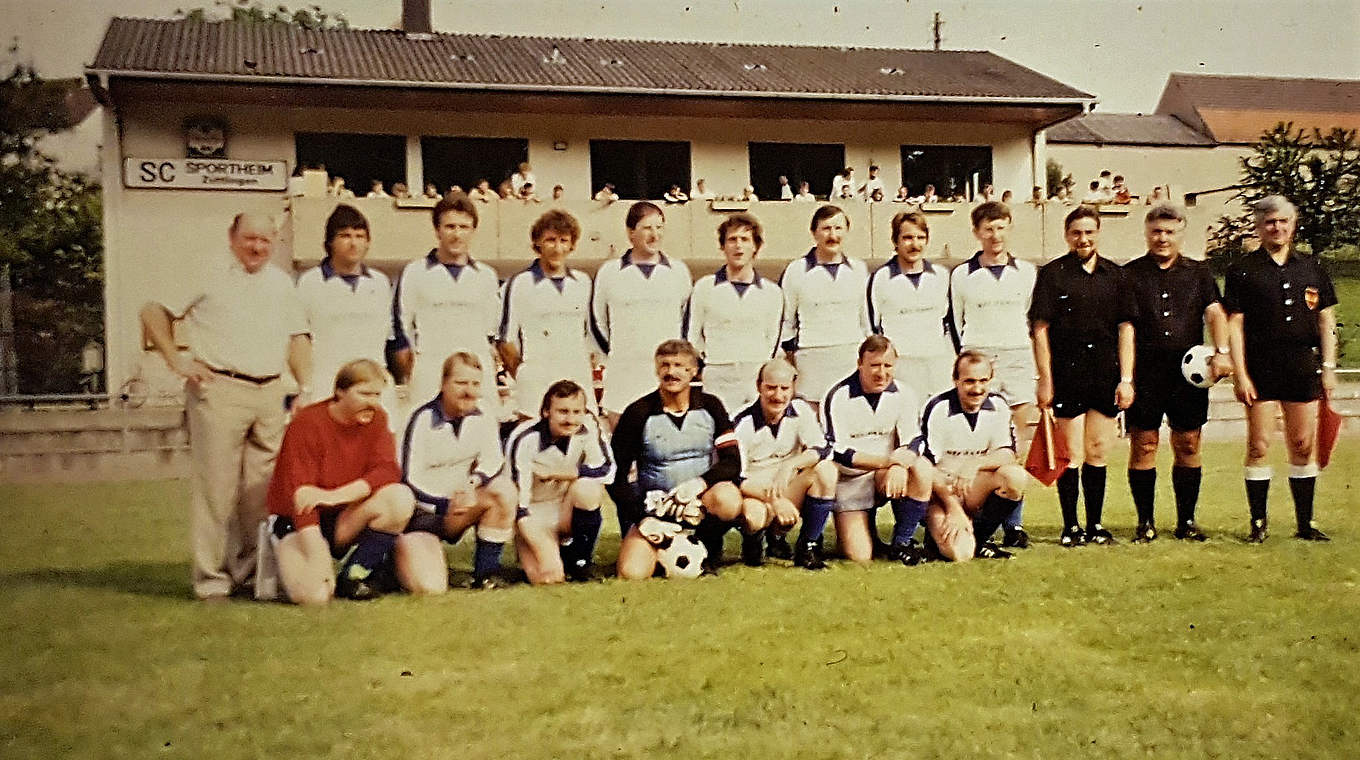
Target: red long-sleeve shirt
318	451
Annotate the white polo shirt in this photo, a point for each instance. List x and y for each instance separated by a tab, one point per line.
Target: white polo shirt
991	304
875	424
912	309
733	322
548	317
764	446
442	308
634	307
532	450
349	316
824	303
238	321
948	431
440	455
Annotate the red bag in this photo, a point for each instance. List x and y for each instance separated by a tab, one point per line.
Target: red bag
1329	429
1048	457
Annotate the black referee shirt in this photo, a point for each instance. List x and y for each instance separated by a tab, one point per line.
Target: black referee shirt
1279	302
1171	303
1081	307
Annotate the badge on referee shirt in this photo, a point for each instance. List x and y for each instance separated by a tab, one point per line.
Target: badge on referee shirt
1310	297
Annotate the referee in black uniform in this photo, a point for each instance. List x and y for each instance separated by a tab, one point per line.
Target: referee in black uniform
1282	331
1081	318
1176	297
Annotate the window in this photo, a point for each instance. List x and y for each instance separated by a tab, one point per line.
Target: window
953	169
461	161
639	169
360	159
813	163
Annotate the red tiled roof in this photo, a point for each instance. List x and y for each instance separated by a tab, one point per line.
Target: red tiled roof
235	51
1276	93
1126	129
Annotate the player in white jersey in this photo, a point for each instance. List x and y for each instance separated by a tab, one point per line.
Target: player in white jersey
785	467
545	332
638	302
871	423
451	459
446	302
909	304
990	294
560	464
968	434
825	314
348	307
734	314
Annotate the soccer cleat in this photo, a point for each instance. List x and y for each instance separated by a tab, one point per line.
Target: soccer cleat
1258	532
1310	532
778	547
753	549
358	589
989	550
1146	533
1098	535
489	583
1189	531
909	553
1071	537
1015	538
809	556
580	571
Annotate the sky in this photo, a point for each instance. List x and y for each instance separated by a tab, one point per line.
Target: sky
1121	51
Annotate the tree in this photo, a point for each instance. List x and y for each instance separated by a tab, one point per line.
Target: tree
251	12
1319	173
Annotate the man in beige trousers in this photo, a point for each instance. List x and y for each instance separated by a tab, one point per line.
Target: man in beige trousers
244	326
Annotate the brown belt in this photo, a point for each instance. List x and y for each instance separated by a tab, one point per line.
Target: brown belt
243	376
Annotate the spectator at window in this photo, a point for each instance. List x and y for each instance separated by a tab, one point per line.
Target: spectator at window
524	175
506	191
1006	196
1156	196
431	191
337	188
804	193
1036	196
903	195
876	196
675	195
1120	192
785	192
986	195
482	192
843	184
1094	196
1105	181
399	190
1063	196
526	193
377	190
559	192
929	195
699	192
866	191
748	193
455	190
607	194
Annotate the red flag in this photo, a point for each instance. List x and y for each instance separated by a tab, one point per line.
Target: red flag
1329	429
1048	457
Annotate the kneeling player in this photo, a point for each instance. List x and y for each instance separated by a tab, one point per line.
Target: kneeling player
871	423
682	442
560	465
451	456
336	483
784	465
967	432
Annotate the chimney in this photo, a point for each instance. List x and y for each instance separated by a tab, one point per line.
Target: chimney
415	16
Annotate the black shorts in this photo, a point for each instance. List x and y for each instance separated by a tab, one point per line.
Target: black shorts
423	521
1084	379
1286	372
1160	390
327	520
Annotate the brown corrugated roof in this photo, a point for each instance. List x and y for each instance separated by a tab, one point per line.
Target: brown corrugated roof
1126	129
234	51
1272	93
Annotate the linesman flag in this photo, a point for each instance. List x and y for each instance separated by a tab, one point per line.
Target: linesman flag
1048	457
1329	429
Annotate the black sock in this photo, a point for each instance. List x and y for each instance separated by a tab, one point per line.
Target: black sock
370	551
816	511
1143	487
994	511
710	533
1257	491
486	558
907	516
1185	484
1067	497
585	529
1302	491
1093	491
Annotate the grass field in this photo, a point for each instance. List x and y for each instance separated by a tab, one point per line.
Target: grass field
1169	650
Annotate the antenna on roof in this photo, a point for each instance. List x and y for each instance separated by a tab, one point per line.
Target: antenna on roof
939	23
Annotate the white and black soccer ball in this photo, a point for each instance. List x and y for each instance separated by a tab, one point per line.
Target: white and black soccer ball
682	556
1195	366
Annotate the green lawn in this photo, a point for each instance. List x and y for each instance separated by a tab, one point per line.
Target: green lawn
1168	650
1348	320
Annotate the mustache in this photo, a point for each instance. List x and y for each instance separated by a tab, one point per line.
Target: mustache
671	378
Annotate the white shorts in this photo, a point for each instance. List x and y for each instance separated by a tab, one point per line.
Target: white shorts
733	384
627	379
534	378
855	490
1014	377
821	367
926	376
543	517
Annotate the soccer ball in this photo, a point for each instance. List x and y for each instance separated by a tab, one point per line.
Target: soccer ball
1195	366
682	556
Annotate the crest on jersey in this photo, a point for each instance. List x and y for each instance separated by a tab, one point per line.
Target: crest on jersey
1310	297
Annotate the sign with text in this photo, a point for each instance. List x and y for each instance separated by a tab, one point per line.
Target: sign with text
204	174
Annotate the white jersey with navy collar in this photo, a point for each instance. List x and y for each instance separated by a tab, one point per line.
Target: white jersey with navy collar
349	317
441	308
912	308
532	450
824	303
547	317
764	446
441	454
875	424
634	307
948	431
991	304
733	322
